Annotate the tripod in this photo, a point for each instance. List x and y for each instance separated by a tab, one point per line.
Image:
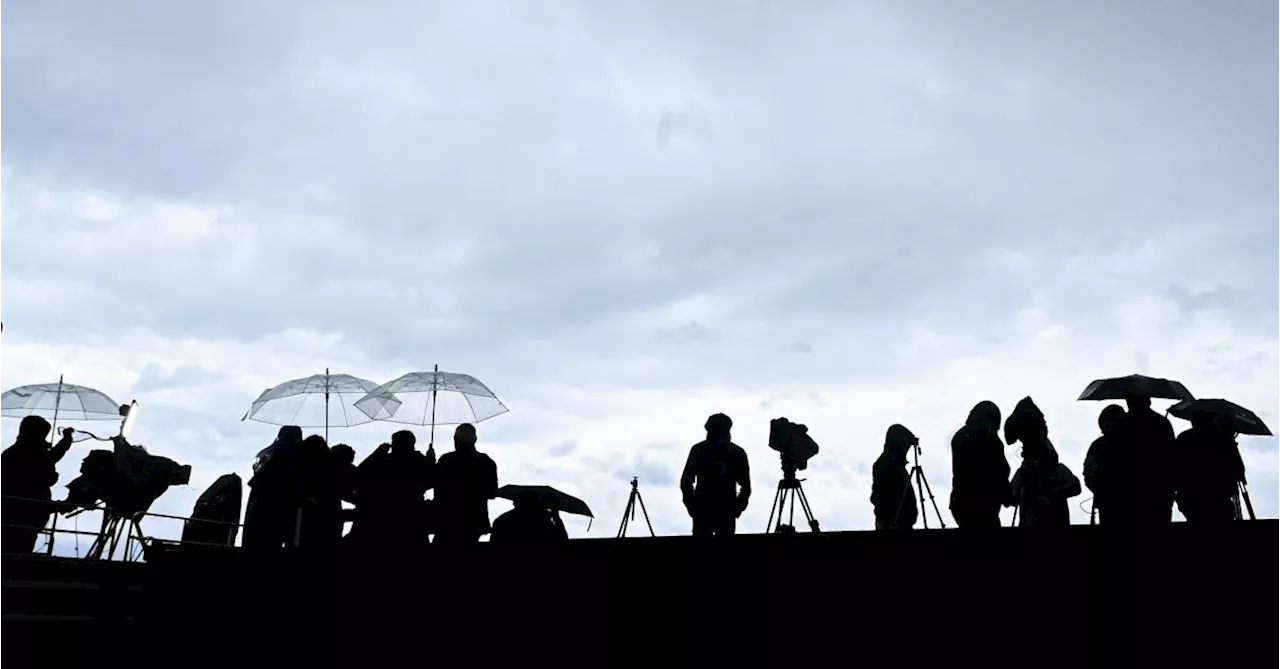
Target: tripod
789	490
1242	502
115	527
629	514
922	487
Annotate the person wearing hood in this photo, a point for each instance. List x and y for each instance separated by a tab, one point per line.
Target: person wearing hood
1042	485
979	470
892	498
466	480
716	482
30	472
274	493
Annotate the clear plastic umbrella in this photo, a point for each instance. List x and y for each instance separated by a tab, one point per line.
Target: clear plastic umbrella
321	400
58	400
432	398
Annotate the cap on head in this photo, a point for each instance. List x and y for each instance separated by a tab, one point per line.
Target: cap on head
289	433
718	424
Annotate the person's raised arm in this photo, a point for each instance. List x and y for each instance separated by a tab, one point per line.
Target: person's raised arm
64	444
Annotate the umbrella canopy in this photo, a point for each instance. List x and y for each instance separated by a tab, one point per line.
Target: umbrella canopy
1135	385
432	398
1244	420
58	401
552	498
321	400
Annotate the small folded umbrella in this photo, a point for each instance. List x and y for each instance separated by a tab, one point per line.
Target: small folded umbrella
1135	385
1244	420
548	496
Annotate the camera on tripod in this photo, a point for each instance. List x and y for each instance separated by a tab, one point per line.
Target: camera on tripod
794	447
126	479
793	443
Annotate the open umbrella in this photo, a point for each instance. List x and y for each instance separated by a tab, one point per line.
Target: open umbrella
58	400
1244	420
432	398
550	497
1135	385
319	400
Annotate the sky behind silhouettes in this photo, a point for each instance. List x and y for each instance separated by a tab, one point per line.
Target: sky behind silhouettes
626	216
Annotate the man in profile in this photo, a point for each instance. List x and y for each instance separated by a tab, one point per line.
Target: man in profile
466	480
716	483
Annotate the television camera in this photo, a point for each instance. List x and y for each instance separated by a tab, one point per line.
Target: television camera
125	480
795	447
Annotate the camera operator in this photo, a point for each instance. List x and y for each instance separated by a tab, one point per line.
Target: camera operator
891	495
716	483
30	472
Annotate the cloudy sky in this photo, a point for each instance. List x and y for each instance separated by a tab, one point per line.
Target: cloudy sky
626	216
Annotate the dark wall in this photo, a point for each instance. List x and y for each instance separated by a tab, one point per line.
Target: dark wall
1078	597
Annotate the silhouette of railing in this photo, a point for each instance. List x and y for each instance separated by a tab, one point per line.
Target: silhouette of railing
135	544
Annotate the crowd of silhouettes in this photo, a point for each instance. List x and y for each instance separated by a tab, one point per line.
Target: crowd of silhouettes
1136	469
299	486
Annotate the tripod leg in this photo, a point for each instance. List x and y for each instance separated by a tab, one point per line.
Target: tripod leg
920	494
808	511
646	514
932	501
776	506
626	514
1248	504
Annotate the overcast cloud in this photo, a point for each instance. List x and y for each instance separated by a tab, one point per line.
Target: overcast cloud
626	216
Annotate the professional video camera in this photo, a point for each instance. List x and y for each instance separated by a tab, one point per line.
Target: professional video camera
792	440
126	479
795	447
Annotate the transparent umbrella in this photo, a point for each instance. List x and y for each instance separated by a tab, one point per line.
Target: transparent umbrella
320	400
58	401
432	398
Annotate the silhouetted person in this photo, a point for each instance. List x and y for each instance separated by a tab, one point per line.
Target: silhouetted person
530	522
393	482
274	492
716	483
892	497
1148	437
979	470
1113	472
1209	470
30	472
342	458
1042	485
466	480
319	503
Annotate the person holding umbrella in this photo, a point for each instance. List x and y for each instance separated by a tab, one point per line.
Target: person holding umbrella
1209	469
1143	439
30	472
531	521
